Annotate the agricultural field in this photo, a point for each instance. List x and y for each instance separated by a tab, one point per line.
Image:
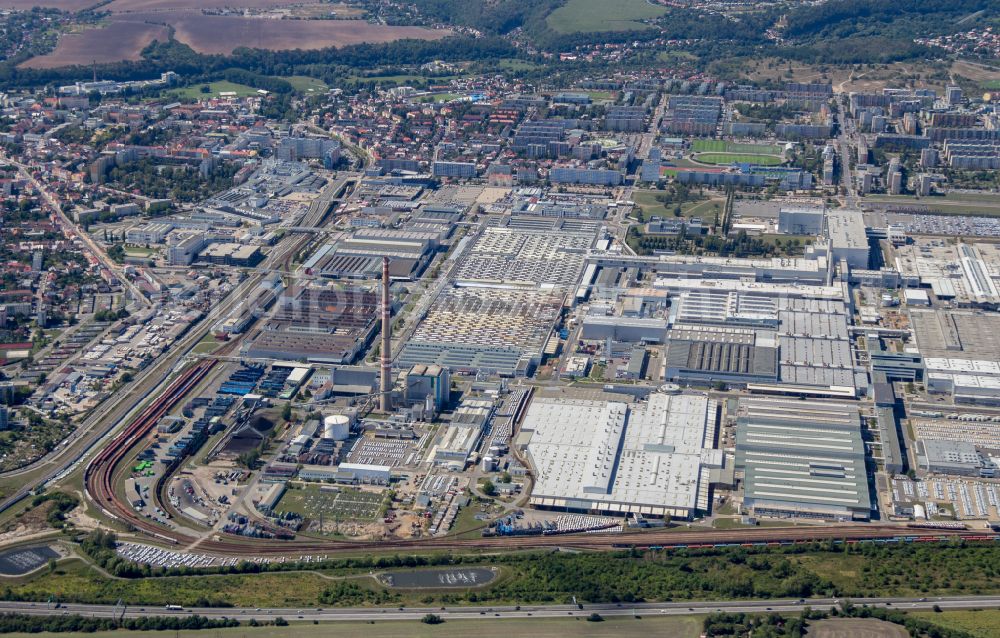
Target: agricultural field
738	158
221	34
589	16
313	502
984	623
722	146
133	24
65	5
852	627
125	6
116	41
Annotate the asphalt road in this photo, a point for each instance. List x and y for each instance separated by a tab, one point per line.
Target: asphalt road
493	612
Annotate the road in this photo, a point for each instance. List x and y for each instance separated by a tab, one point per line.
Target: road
493	612
70	228
105	419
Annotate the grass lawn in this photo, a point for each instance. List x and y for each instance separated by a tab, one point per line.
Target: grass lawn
992	85
305	84
207	344
598	96
588	16
512	64
983	624
722	146
674	626
215	88
786	246
705	209
737	158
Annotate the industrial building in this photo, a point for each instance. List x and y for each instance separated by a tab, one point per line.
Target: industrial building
526	255
771	337
848	237
500	331
428	382
654	458
360	255
954	458
318	324
359	473
802	459
962	273
624	329
801	220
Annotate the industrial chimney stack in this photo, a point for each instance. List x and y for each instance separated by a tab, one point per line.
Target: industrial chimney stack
385	402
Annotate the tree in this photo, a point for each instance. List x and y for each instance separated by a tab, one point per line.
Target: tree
432	619
489	489
286	412
595	617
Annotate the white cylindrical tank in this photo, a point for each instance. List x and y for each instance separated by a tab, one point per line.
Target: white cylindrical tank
336	427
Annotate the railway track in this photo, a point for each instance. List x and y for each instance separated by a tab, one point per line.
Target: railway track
108	467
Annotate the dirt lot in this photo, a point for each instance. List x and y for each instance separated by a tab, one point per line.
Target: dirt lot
855	628
120	40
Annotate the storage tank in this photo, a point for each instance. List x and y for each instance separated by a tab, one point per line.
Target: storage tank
336	427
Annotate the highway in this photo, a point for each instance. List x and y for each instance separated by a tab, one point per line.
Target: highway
365	614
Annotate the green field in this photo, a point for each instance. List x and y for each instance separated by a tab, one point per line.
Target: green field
589	16
674	626
305	84
512	64
722	146
982	624
736	158
223	86
706	209
991	85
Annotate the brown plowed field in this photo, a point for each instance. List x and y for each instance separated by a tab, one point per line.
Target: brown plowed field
135	23
222	34
65	5
119	40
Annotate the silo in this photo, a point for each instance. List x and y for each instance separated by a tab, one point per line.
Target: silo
336	427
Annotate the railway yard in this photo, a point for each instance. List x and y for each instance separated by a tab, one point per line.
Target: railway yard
504	321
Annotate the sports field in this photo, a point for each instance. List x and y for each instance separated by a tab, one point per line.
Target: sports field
738	158
589	16
722	146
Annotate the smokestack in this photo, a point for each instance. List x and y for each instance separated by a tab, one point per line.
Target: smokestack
385	403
